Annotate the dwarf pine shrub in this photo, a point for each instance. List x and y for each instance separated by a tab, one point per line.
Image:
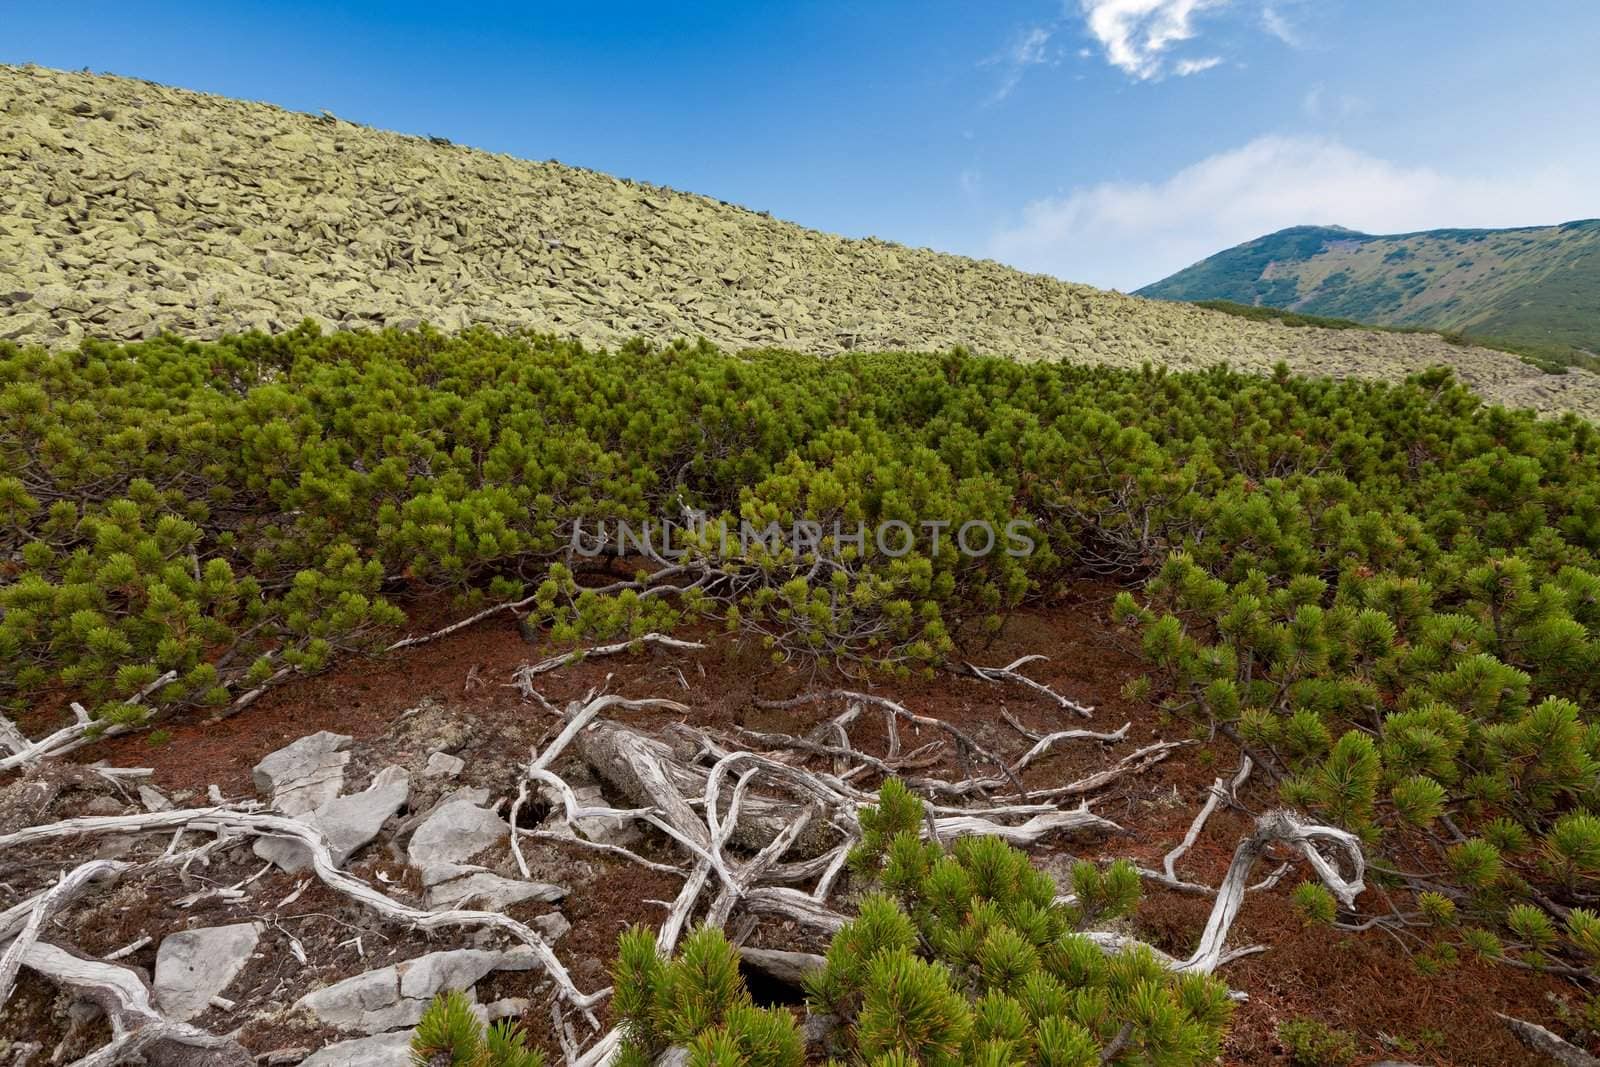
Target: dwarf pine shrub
1391	593
450	1033
959	957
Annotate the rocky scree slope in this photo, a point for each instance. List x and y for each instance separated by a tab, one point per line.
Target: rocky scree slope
127	208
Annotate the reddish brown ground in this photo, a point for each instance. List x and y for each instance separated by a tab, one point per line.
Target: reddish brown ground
1364	982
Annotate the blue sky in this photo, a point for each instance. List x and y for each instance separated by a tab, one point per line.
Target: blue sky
1105	141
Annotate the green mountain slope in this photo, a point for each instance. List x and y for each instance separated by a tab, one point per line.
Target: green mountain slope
1538	286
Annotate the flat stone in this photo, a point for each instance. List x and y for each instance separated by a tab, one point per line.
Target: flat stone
444	765
552	927
153	799
304	775
192	966
484	889
603	829
349	822
397	995
380	1050
456	831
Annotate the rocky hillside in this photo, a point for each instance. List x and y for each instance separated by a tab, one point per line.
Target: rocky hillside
1538	286
127	208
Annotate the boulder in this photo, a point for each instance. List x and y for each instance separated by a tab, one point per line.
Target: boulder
304	775
193	966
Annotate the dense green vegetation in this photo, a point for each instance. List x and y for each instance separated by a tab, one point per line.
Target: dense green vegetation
1529	291
1390	594
1554	359
958	957
450	1033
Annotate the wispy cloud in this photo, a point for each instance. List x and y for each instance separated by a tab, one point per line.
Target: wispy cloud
1127	234
1185	67
1275	22
1030	49
1136	35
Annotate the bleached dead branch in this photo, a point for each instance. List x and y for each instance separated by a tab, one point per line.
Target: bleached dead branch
1287	828
123	996
1049	741
229	820
1214	797
565	659
1548	1043
84	729
1010	673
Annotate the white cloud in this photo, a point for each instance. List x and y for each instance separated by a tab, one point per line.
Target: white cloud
1030	49
1128	234
1185	67
1136	34
1275	23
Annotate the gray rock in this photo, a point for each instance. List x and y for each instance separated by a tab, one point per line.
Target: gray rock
457	830
552	927
458	886
304	775
153	799
193	966
397	995
348	821
444	765
103	806
380	1050
605	830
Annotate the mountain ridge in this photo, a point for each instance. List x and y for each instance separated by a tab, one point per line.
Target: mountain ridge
1533	286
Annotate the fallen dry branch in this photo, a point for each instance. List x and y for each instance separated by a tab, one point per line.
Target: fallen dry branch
893	711
136	1026
1010	673
1133	763
1049	741
39	909
456	627
1214	797
578	655
232	821
1549	1044
84	729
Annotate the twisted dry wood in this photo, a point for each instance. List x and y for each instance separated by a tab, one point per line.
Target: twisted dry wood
1010	673
228	820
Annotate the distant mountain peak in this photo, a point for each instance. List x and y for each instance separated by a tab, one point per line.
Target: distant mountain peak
1537	286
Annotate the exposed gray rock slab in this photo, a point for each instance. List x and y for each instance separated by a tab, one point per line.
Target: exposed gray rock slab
304	775
457	830
192	966
349	821
397	995
452	885
380	1050
444	765
552	927
153	799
